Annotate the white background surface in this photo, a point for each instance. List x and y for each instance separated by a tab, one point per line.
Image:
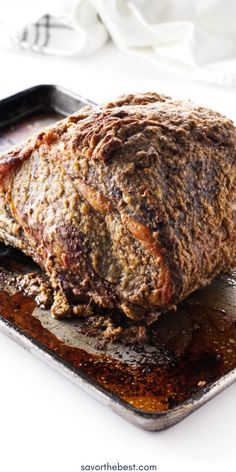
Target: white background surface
46	423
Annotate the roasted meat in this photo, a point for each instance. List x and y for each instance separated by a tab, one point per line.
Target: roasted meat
128	205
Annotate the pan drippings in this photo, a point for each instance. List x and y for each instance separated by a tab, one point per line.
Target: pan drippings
184	351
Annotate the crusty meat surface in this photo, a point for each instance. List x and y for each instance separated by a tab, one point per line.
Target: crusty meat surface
129	205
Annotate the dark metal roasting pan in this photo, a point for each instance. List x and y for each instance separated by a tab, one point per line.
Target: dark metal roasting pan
191	353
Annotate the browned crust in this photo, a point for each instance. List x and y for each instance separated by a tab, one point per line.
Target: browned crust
154	182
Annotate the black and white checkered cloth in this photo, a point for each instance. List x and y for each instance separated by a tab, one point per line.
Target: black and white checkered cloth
79	33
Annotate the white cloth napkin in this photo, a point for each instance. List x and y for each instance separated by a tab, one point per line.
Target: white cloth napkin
196	38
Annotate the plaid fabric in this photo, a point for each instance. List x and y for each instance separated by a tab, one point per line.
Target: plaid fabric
47	35
78	33
37	36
